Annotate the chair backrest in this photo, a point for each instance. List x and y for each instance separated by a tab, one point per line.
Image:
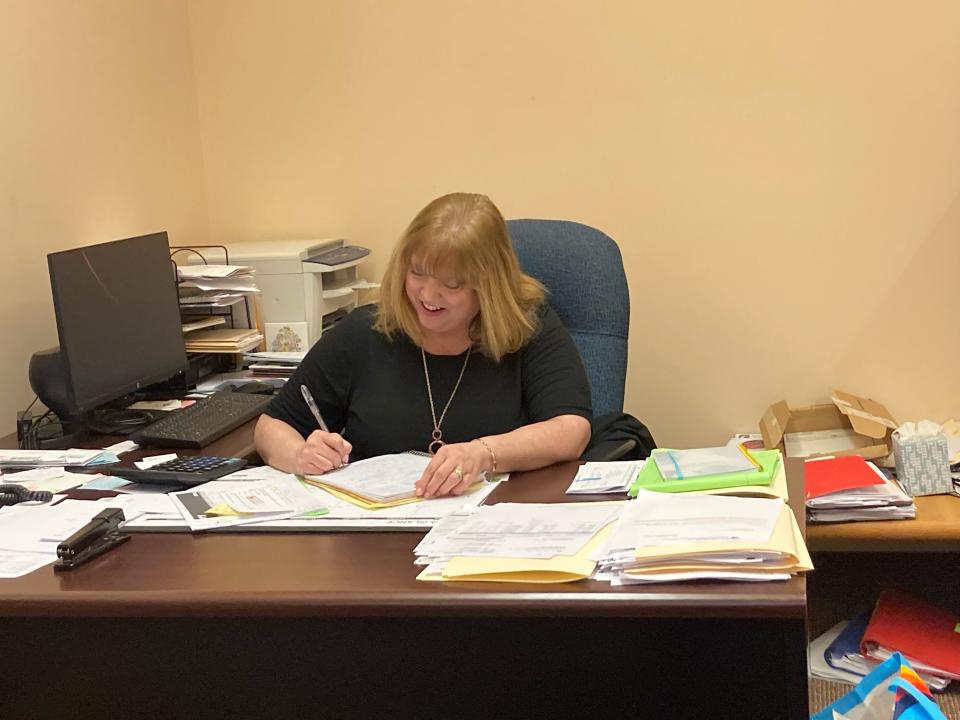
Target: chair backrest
583	272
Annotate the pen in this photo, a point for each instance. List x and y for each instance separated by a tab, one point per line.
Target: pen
312	404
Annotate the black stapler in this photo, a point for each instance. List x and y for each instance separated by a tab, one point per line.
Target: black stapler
93	539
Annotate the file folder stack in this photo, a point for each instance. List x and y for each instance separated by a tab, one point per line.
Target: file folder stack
835	655
844	489
928	636
664	537
511	542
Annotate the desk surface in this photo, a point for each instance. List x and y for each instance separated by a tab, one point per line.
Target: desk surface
354	574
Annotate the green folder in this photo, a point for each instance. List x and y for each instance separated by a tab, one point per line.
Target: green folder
650	478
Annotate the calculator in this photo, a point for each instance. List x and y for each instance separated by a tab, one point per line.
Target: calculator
186	471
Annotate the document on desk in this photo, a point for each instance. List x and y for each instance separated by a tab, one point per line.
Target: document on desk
656	519
521	530
605	477
339	515
377	481
49	458
40	528
14	564
517	543
223	503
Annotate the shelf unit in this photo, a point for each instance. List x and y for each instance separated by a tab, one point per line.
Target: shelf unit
240	313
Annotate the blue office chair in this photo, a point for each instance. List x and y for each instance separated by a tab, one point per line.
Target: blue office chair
583	272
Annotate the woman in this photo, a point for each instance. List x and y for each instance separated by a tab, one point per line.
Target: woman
463	359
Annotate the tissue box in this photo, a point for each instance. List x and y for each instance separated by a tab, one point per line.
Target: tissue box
923	464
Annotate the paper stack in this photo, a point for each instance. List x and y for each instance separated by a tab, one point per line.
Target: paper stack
510	542
843	489
231	278
273	363
206	287
222	340
664	537
55	458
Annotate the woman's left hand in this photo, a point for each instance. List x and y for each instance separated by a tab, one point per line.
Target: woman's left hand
452	470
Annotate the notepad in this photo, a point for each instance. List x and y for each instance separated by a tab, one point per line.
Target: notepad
377	482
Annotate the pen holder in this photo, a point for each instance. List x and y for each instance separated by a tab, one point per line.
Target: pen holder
923	464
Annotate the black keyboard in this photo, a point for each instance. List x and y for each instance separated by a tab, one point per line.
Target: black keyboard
203	422
187	471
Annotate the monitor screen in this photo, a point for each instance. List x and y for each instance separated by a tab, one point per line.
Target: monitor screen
118	317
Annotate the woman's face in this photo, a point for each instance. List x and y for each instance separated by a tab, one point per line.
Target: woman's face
443	303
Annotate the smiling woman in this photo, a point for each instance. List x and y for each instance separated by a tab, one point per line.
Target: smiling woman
463	358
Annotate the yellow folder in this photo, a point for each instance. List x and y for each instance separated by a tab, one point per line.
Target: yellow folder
786	540
558	569
366	504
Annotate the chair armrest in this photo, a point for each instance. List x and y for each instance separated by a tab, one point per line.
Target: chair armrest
605	452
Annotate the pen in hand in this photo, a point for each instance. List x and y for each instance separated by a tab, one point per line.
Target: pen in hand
312	404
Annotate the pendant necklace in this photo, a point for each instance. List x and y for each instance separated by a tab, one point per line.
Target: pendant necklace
437	436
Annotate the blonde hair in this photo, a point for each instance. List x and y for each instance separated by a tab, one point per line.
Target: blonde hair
465	235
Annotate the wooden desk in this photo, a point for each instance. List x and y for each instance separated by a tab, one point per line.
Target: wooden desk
935	529
335	625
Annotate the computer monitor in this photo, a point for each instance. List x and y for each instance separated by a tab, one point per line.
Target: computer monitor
118	319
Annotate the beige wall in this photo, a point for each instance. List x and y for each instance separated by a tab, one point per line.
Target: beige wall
783	179
99	140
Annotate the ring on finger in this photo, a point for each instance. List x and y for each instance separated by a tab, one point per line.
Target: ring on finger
459	473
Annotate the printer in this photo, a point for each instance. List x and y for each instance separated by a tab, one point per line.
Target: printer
305	285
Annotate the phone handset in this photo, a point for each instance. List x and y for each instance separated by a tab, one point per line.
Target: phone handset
13	494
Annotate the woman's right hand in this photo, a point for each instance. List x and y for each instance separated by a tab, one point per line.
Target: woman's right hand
322	452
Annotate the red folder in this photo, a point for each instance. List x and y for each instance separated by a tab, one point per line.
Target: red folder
918	629
841	473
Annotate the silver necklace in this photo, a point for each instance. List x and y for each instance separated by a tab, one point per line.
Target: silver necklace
437	436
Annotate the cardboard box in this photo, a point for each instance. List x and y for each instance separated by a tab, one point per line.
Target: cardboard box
850	425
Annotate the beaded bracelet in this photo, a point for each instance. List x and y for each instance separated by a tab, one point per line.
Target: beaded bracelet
493	455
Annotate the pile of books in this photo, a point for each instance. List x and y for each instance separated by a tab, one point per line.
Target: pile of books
924	633
848	488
